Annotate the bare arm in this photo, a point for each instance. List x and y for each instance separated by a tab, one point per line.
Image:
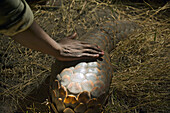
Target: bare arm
66	50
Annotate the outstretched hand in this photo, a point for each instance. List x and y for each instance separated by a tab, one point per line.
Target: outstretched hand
76	50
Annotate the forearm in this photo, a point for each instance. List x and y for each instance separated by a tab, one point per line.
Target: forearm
20	26
35	38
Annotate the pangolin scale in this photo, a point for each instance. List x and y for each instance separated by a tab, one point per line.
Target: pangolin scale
82	86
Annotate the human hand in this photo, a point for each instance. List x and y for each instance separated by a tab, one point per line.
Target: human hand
76	50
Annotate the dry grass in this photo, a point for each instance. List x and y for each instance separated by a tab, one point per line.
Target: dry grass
141	81
141	63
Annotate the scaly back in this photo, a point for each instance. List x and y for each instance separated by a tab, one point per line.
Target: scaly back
82	86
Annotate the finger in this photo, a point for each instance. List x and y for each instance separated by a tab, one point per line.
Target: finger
91	51
88	55
69	58
78	56
94	47
87	44
84	42
73	36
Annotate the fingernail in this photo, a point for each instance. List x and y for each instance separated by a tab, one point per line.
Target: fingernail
102	52
97	55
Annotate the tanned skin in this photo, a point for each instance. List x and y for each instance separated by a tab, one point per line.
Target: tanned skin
66	50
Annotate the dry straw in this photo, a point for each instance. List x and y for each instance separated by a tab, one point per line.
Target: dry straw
141	62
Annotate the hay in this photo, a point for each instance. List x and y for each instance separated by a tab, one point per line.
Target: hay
141	63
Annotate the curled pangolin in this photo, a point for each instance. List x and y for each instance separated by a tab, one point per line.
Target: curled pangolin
82	86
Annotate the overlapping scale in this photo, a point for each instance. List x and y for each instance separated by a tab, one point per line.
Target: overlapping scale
71	101
93	64
60	105
68	110
66	71
82	64
77	77
92	103
81	77
62	92
65	80
87	85
86	80
80	69
102	98
100	84
91	76
84	97
56	85
96	91
94	70
53	96
80	108
54	108
83	88
74	87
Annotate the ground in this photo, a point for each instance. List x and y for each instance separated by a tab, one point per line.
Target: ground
141	62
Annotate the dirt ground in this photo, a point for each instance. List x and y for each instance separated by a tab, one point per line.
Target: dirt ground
141	63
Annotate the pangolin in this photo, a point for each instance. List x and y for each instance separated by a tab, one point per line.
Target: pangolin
82	86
